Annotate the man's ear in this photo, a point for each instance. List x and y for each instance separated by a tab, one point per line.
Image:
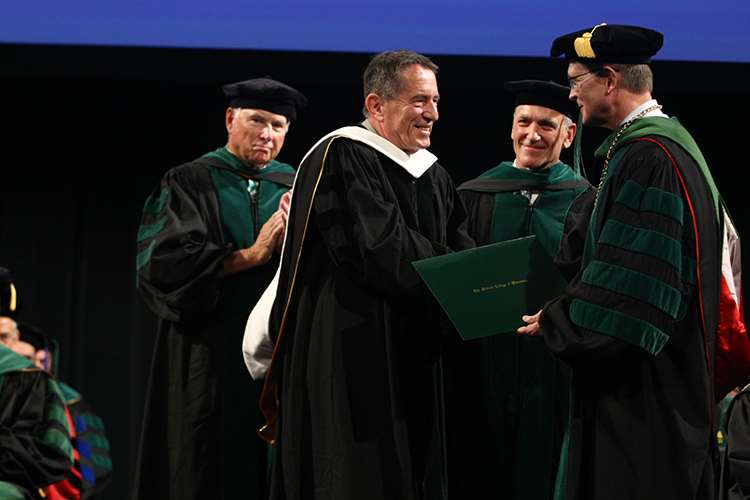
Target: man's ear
613	79
229	118
570	135
374	106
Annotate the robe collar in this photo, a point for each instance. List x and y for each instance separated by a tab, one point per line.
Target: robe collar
415	164
535	170
645	105
12	362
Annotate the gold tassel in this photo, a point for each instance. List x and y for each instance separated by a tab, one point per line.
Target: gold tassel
582	44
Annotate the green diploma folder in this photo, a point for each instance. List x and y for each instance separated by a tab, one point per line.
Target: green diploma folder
486	290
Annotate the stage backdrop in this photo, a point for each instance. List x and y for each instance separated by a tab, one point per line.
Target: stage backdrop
695	30
89	130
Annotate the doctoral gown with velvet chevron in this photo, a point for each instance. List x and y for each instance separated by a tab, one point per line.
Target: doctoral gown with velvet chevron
197	440
637	325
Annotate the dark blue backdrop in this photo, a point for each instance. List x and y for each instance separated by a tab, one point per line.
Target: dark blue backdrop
694	30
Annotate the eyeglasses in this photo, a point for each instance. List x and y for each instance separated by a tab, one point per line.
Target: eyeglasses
574	81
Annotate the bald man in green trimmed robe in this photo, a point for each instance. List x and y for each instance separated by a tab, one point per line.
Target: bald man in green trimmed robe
507	394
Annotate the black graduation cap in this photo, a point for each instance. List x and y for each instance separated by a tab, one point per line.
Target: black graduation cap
8	294
267	94
540	93
609	43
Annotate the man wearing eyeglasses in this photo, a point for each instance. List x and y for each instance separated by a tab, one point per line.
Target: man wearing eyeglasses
638	324
511	388
207	247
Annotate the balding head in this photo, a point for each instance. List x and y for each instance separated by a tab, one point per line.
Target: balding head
8	331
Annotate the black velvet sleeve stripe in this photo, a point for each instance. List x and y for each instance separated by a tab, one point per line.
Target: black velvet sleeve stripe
634	284
645	264
642	241
647	220
625	304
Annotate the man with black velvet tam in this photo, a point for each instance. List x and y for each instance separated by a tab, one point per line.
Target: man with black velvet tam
206	250
638	324
512	390
351	396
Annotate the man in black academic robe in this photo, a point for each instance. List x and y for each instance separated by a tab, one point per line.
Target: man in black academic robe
351	396
35	446
637	325
92	468
511	388
206	244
